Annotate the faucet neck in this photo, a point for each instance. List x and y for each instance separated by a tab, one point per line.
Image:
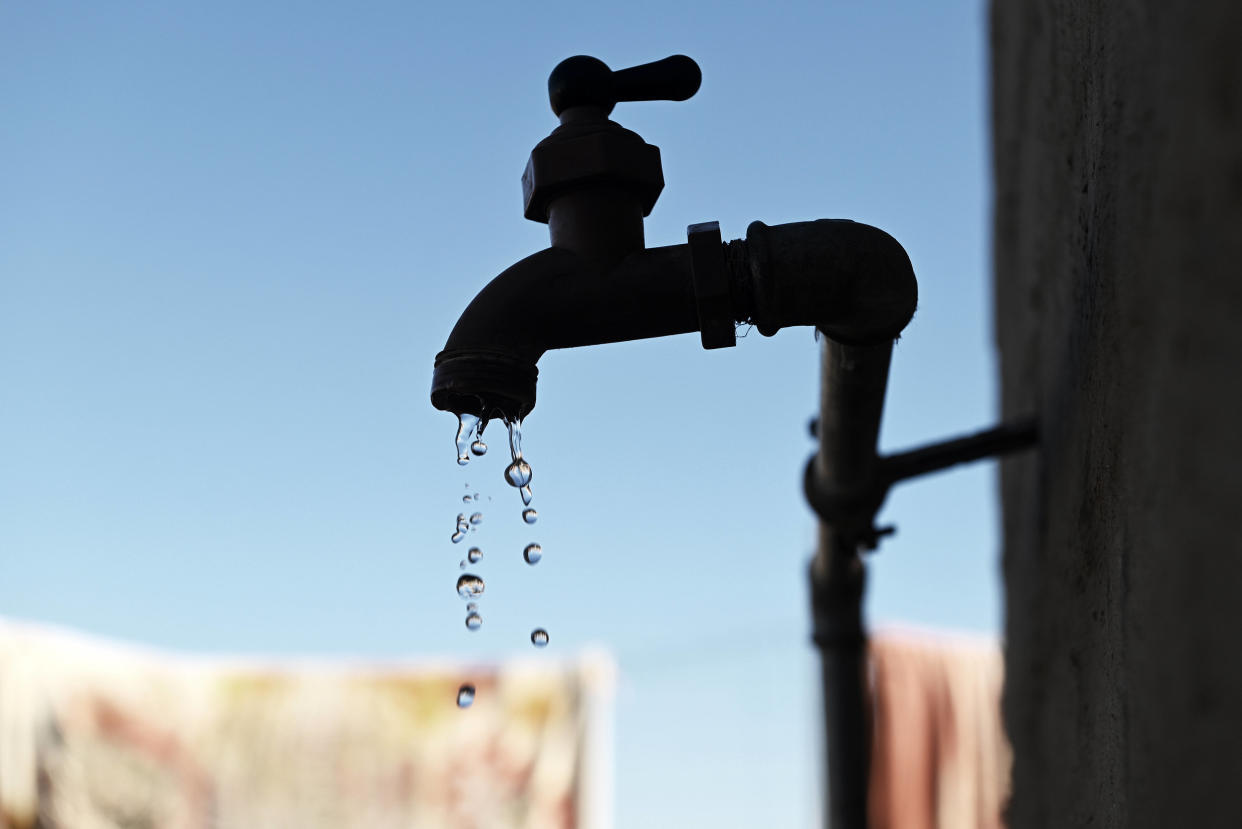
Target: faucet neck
603	225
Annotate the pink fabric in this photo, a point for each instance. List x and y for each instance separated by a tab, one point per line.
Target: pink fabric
940	759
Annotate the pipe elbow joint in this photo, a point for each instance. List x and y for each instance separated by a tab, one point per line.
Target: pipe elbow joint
852	281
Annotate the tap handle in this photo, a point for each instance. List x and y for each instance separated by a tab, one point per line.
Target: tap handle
583	80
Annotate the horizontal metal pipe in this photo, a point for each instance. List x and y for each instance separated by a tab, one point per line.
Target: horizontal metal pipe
1000	440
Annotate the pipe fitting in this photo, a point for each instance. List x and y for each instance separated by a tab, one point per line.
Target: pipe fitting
852	281
711	285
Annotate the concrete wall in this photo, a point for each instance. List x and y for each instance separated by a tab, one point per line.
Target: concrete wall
1118	256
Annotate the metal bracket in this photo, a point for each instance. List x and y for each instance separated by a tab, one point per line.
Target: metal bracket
857	507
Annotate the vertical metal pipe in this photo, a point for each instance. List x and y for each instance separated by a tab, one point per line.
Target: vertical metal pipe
851	403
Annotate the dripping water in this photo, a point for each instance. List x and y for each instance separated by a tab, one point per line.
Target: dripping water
469	586
466	426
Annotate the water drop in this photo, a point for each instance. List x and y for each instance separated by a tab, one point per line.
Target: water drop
465	696
469	586
471	607
474	554
527	495
466	499
463	564
477	518
457	536
529	515
518	473
515	439
474	621
532	553
539	637
478	447
466	424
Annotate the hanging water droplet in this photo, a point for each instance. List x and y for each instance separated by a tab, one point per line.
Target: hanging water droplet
529	515
527	495
466	424
478	447
477	518
532	553
465	696
518	473
474	554
539	637
474	621
515	438
469	586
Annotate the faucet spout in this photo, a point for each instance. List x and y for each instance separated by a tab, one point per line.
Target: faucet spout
556	299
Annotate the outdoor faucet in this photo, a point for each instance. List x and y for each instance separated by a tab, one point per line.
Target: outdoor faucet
592	181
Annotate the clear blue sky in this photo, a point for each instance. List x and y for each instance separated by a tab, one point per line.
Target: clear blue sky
234	235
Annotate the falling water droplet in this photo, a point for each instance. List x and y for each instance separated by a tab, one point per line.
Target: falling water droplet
471	607
518	473
539	637
529	515
527	495
466	499
466	424
474	621
457	536
469	586
465	696
532	553
463	564
474	554
478	447
477	518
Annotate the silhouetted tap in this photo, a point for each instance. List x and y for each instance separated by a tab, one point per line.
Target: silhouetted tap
592	181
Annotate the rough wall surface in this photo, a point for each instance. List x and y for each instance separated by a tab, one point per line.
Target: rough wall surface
1118	256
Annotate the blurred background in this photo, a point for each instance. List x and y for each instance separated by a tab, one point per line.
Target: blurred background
233	238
